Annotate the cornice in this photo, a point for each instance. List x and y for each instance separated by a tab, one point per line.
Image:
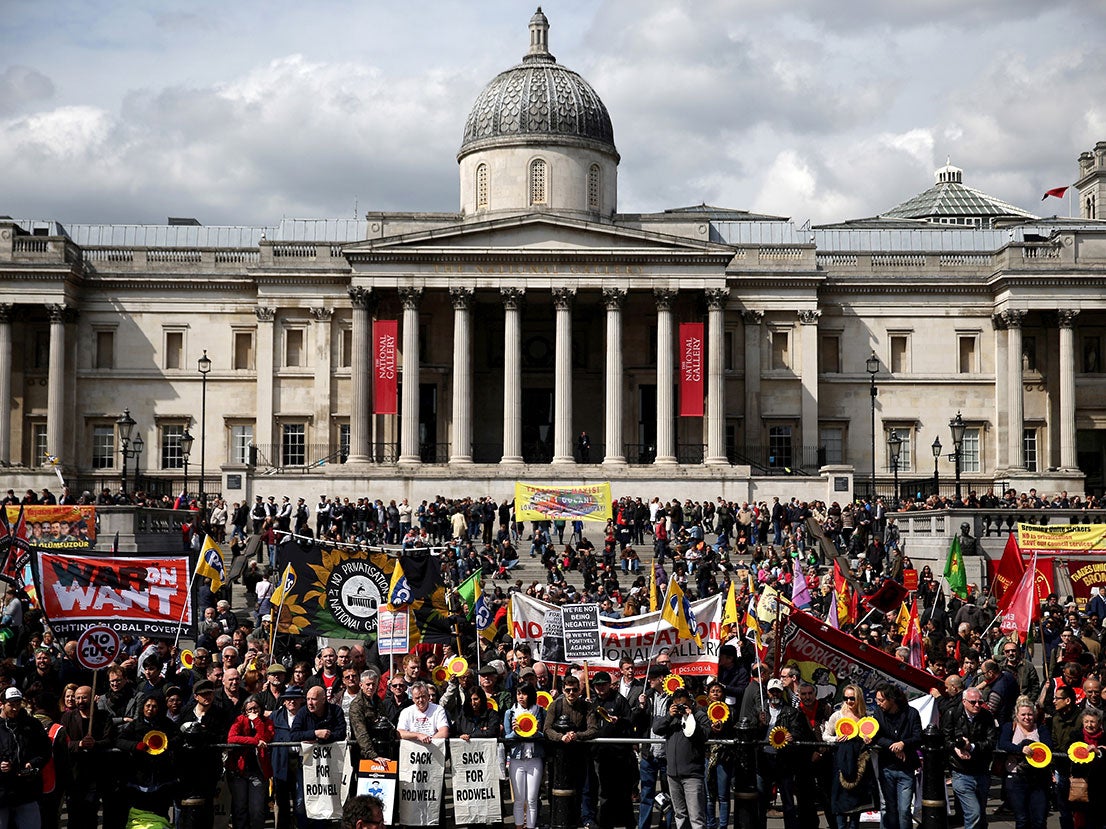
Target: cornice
491	256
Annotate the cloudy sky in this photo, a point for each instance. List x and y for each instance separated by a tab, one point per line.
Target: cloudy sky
247	112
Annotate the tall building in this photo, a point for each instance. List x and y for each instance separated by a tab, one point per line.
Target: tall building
538	312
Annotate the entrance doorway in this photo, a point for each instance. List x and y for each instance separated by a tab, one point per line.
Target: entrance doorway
537	425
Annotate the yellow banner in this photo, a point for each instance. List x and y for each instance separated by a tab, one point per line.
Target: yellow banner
589	502
1062	539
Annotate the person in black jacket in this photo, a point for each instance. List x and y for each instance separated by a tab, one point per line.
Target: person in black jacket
970	733
685	728
24	750
610	717
898	739
149	772
775	765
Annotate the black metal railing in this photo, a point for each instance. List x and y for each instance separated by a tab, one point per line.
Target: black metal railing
776	460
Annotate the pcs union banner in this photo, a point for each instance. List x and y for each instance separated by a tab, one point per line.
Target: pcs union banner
590	502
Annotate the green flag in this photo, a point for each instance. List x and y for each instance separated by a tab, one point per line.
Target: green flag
467	591
954	570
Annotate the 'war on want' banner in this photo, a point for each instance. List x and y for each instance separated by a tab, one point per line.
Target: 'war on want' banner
139	596
587	502
541	626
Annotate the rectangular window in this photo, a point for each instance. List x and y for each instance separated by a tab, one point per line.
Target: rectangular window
829	356
779	447
970	451
343	442
293	444
1091	350
781	353
103	447
729	345
966	354
241	437
900	354
1029	353
40	355
345	348
243	350
832	441
38	444
293	347
174	349
906	438
105	349
171	455
1029	449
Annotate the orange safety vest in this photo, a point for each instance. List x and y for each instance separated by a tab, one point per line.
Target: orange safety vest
49	773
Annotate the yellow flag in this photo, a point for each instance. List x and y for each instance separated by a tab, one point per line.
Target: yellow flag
902	621
287	582
678	613
211	564
730	619
768	606
654	599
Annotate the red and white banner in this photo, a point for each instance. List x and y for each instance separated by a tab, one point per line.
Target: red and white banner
691	369
141	596
385	367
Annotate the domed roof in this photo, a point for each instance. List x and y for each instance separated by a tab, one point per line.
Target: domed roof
537	98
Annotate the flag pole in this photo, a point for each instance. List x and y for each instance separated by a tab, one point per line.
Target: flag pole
184	609
657	629
276	624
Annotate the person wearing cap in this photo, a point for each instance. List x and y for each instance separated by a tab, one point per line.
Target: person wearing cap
651	703
685	728
205	726
276	676
289	726
610	716
774	768
489	677
24	750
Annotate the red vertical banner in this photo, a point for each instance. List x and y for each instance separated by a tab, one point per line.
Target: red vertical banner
385	367
691	369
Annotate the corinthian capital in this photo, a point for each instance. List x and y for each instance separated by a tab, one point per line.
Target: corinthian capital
562	298
410	297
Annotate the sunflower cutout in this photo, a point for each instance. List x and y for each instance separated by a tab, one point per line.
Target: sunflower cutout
702	700
156	742
492	704
778	737
187	659
526	724
545	699
1039	756
846	727
1080	752
672	683
868	727
458	665
718	712
440	675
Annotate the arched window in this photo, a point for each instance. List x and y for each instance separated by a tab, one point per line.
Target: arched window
593	187
481	186
538	182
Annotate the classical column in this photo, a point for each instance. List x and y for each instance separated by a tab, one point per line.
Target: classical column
263	428
55	389
1067	389
361	379
409	408
808	408
460	449
512	375
5	382
666	367
614	299
716	375
753	335
321	365
562	377
1015	403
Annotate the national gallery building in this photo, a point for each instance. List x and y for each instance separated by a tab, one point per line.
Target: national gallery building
540	334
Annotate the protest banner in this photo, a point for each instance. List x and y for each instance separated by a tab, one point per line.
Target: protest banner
536	502
1082	545
143	596
691	369
392	632
324	773
630	638
57	527
378	778
580	623
475	781
421	775
828	658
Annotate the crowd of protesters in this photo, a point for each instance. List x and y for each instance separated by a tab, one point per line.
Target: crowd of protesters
170	725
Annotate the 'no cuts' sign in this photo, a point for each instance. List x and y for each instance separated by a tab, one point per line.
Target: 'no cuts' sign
97	647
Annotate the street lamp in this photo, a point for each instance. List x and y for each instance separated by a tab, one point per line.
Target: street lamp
936	447
139	445
894	449
872	366
186	441
957	427
125	424
204	366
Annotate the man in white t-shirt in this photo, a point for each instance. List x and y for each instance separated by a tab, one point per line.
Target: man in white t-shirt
423	721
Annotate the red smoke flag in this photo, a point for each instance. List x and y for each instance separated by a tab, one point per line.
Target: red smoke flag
691	369
844	596
913	639
1055	192
1022	609
385	367
1009	573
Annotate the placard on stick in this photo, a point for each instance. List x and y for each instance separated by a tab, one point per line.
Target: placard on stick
581	632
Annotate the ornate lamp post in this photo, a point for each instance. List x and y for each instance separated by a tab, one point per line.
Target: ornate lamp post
138	445
894	450
125	425
204	365
957	427
872	366
186	441
936	447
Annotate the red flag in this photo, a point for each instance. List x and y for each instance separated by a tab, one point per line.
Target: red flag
1055	192
1010	570
19	550
691	369
889	597
1022	608
385	367
845	597
913	639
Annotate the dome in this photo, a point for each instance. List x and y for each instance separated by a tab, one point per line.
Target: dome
538	98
